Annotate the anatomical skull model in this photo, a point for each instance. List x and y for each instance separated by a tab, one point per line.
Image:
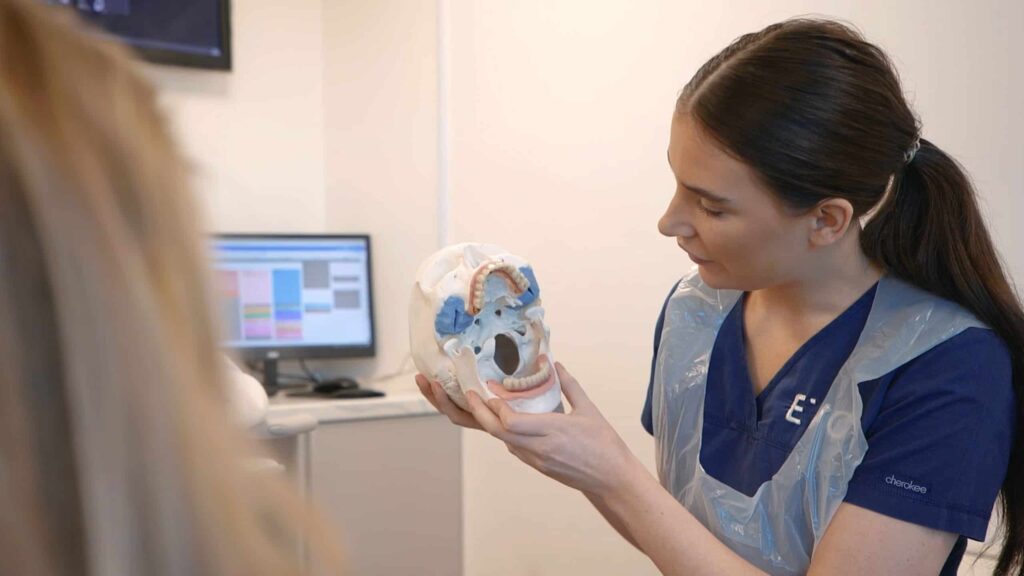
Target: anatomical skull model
476	322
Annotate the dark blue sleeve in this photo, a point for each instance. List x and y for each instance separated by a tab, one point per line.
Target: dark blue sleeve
647	418
939	443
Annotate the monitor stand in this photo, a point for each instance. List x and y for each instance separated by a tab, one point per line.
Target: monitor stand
270	376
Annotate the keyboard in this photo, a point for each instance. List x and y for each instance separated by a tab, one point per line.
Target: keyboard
355	393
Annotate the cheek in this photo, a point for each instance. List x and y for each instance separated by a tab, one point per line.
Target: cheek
727	241
774	251
746	249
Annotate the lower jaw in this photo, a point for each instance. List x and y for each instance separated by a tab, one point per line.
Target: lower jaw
500	391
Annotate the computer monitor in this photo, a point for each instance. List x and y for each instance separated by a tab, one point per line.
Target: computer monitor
294	296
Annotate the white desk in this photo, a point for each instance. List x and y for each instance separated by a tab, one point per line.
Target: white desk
394	405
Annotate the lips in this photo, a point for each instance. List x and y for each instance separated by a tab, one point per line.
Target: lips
538	390
696	259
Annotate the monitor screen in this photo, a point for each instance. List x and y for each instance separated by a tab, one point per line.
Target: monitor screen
185	32
295	296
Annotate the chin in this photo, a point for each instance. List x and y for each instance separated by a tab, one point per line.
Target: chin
711	279
714	277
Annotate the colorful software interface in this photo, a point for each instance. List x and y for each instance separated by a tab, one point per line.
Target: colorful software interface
281	292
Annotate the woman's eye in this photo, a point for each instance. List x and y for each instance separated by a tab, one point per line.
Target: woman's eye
708	211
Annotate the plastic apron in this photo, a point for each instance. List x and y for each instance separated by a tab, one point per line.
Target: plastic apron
777	528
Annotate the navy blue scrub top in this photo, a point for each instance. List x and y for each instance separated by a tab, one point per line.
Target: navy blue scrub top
939	428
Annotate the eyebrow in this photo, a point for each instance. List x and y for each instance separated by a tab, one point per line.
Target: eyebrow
706	194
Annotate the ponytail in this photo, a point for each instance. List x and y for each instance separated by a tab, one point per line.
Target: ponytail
932	235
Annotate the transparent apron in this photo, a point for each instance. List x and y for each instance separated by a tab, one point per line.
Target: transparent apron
777	528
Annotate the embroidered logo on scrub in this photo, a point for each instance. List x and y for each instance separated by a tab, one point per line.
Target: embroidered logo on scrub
892	480
796	406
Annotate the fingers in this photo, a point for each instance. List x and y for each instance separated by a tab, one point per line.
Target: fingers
505	424
424	385
487	419
572	389
456	414
518	423
494	416
440	400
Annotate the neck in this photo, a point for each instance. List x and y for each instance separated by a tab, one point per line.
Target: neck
822	289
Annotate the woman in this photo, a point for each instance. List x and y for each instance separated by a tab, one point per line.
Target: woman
837	389
116	452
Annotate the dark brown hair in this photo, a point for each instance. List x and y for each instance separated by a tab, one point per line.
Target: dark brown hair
818	112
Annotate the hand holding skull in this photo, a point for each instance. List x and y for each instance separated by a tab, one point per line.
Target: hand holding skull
579	449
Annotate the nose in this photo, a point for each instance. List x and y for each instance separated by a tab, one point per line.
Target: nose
675	222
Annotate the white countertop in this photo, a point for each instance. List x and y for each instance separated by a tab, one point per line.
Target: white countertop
403	399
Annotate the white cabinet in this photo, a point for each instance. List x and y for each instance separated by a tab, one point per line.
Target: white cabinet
394	488
387	473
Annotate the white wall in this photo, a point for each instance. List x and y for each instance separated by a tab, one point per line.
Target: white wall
380	126
255	135
559	124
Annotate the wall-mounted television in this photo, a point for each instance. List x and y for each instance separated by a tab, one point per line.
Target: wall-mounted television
193	33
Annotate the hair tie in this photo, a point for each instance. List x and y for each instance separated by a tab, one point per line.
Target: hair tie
908	156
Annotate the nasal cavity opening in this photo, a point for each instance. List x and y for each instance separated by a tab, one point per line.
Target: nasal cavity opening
506	354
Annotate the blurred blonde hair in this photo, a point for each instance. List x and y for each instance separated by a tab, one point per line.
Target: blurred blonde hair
116	452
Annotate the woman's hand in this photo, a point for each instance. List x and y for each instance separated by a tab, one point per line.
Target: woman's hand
436	395
579	449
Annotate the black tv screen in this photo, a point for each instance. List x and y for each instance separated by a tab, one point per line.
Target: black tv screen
184	32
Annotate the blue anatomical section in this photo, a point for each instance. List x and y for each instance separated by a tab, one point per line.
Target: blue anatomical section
453	318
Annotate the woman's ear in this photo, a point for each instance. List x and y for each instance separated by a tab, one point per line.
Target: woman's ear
831	220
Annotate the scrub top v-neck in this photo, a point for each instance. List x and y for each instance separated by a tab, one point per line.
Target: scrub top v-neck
939	428
746	438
